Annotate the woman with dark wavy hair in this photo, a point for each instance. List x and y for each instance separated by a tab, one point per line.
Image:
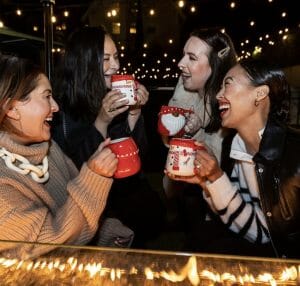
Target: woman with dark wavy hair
257	200
90	111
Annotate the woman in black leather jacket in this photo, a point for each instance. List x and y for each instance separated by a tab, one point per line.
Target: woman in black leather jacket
258	200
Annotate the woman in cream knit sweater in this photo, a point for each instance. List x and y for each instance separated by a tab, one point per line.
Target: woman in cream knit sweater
43	198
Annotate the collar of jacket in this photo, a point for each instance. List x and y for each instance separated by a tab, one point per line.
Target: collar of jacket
272	142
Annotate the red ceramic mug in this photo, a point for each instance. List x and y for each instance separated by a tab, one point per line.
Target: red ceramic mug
127	85
171	120
129	162
181	156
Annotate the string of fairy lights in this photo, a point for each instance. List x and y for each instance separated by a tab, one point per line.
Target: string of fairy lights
164	65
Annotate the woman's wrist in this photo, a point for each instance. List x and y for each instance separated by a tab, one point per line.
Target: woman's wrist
101	126
215	176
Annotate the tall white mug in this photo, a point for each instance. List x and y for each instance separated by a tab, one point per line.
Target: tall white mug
126	84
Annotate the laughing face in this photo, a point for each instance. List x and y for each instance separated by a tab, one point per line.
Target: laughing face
111	63
32	116
194	65
237	100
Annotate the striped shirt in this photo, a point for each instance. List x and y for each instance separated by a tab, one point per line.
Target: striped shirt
236	199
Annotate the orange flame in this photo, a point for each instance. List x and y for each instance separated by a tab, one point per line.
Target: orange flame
288	276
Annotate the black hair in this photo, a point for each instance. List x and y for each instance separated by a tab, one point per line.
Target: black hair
79	85
263	73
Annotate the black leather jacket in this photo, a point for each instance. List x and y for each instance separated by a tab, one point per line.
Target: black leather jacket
278	175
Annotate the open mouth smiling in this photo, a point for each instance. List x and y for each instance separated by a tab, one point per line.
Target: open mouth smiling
223	108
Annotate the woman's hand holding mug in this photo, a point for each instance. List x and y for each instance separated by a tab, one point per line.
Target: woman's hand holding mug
193	123
103	162
207	166
180	160
113	104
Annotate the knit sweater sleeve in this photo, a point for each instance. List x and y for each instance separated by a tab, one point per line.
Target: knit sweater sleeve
240	212
31	212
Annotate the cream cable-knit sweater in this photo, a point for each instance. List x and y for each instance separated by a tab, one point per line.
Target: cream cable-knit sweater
64	210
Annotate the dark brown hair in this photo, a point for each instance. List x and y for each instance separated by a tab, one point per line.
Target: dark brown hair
79	83
18	78
221	58
263	73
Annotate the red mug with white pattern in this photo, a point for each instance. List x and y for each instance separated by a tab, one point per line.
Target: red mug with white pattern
127	153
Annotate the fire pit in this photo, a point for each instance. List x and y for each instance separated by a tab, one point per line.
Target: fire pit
105	266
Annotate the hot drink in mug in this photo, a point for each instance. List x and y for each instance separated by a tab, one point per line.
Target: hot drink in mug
181	156
129	162
127	85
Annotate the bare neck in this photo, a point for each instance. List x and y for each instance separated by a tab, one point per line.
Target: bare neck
251	138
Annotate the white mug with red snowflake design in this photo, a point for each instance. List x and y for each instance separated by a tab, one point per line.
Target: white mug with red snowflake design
181	156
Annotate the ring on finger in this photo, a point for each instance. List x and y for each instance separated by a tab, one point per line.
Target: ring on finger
198	166
111	109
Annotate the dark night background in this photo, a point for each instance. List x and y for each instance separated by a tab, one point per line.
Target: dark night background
275	35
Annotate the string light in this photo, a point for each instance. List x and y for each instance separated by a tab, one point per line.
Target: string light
283	14
273	36
181	4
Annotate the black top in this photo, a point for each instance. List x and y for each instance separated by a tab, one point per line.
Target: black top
131	199
80	139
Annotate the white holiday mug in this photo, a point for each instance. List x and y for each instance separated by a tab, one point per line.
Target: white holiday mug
126	85
181	157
